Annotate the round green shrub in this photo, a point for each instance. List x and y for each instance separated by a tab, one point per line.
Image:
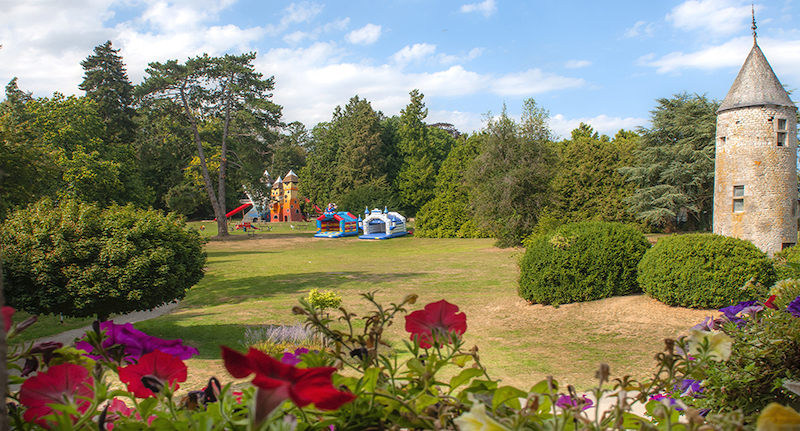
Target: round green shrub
705	271
80	260
581	262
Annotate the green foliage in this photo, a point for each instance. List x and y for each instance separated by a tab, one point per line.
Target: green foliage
106	82
448	214
350	151
674	169
581	262
763	357
510	177
705	271
375	194
80	260
422	150
587	184
787	263
325	299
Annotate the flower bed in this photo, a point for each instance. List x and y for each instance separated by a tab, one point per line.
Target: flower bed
65	387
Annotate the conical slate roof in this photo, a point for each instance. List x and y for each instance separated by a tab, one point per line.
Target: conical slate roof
755	85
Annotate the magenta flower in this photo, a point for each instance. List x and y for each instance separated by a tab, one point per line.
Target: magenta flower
136	343
293	358
61	384
566	401
435	322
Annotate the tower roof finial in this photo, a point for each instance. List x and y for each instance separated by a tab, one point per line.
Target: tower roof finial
754	27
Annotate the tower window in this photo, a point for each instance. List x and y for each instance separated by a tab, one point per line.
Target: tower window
780	137
738	199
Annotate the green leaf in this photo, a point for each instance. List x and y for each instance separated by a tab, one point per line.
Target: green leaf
461	360
509	395
464	377
416	366
370	379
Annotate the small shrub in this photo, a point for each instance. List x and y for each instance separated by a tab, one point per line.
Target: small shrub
785	291
81	260
324	299
705	271
276	339
581	262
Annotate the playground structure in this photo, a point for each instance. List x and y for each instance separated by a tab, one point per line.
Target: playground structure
384	224
336	224
281	205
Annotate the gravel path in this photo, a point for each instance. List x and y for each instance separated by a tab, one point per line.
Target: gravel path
68	337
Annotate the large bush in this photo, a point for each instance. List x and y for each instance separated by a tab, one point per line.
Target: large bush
787	263
705	271
581	262
80	260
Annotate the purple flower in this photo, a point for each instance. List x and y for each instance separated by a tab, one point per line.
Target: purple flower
293	358
794	307
705	325
136	343
566	401
690	387
731	313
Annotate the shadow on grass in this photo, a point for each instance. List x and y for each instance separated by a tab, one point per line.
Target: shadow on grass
206	338
221	290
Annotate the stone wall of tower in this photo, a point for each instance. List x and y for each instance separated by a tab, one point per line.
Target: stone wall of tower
750	164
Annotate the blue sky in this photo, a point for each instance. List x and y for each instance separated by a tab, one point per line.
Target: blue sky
603	63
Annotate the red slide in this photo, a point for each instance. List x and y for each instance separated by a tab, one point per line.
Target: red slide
238	209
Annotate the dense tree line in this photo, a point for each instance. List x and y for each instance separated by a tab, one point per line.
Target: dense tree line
193	133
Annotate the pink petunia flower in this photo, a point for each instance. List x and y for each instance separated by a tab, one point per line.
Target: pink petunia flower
136	342
61	384
154	371
435	322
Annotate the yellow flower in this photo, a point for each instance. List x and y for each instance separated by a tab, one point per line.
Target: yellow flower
477	419
778	418
719	344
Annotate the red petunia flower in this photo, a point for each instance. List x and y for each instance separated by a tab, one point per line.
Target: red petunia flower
7	312
154	371
277	381
61	384
770	303
435	322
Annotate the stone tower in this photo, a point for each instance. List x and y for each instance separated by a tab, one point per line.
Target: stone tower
755	174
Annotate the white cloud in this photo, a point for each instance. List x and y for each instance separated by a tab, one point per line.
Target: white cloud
731	53
577	64
366	35
718	17
338	25
531	82
640	29
413	54
602	124
487	8
452	59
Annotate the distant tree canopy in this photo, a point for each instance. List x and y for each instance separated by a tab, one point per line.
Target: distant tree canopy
674	164
511	175
587	184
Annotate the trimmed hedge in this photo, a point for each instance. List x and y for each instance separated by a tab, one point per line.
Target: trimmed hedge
581	262
81	260
705	271
787	263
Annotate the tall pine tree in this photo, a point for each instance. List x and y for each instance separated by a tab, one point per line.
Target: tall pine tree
105	81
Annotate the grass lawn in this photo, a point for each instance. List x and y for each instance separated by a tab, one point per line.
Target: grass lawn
256	280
